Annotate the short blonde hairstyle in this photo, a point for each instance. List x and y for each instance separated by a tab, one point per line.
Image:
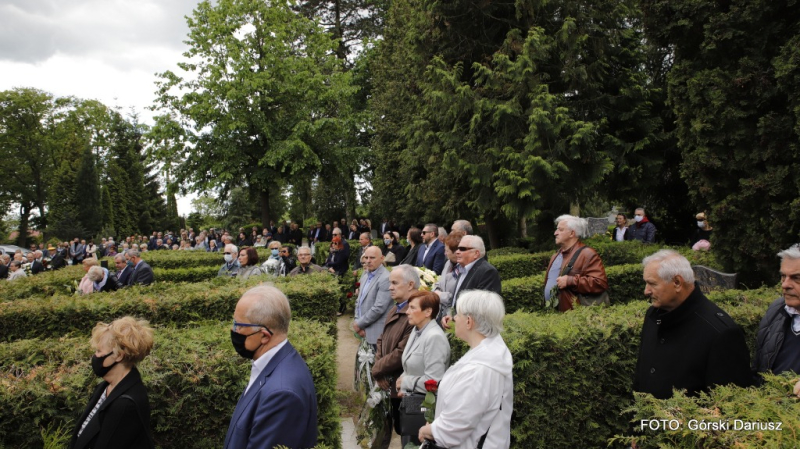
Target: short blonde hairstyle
127	336
91	261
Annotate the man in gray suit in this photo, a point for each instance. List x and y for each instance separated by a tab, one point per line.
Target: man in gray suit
374	300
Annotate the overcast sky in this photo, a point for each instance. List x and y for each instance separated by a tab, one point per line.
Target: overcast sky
108	50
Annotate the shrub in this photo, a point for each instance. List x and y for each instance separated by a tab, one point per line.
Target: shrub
313	297
194	379
520	265
506	251
773	402
573	372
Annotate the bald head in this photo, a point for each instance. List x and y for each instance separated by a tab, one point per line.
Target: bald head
373	258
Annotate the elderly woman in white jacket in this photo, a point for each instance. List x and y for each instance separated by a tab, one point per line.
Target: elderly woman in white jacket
476	395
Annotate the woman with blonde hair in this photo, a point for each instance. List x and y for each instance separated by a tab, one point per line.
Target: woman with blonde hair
87	285
118	413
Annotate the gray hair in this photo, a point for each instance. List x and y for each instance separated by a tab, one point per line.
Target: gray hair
95	274
474	241
486	308
640	209
462	225
304	248
270	309
409	274
119	256
132	253
577	224
793	252
672	264
231	248
442	232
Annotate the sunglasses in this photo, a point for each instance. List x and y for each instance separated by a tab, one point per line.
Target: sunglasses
464	248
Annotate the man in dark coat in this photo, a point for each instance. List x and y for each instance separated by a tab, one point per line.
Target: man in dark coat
57	259
473	272
778	339
123	270
688	342
142	273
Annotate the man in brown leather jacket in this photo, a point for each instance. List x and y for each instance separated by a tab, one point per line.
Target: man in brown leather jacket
403	281
586	275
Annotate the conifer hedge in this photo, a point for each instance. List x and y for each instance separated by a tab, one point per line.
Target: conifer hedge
313	297
193	377
573	372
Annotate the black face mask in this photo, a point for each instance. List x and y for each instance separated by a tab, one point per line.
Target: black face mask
238	344
97	365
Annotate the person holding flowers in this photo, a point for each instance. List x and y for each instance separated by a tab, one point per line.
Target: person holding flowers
427	353
475	396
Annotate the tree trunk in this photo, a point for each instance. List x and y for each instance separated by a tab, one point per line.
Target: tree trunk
24	214
575	209
523	227
492	227
266	214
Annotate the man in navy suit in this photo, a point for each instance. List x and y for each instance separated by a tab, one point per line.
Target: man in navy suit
472	272
279	405
431	253
142	273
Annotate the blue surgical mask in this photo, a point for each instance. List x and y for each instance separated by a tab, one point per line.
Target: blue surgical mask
274	252
387	241
129	264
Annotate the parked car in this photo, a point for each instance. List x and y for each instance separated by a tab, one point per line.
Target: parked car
11	249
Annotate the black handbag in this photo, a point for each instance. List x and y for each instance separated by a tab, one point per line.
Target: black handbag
412	417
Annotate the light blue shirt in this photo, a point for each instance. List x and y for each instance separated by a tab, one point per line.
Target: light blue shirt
552	275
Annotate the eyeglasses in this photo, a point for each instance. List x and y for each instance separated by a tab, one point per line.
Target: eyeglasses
464	248
427	232
227	254
238	327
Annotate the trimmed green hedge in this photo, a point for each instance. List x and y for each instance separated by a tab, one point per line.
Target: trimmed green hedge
573	372
625	285
772	402
505	251
193	377
65	281
514	266
314	297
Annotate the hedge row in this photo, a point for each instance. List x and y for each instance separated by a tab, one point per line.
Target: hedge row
194	379
65	281
573	372
313	297
738	408
625	284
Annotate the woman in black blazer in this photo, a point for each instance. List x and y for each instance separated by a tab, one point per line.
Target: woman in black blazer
118	413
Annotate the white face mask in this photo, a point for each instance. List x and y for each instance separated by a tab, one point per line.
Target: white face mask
228	258
638	218
701	224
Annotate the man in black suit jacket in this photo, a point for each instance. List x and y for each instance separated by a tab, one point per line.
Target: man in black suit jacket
36	265
476	272
56	259
142	273
123	270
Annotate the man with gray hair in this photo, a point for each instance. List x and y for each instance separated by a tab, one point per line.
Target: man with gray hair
231	266
403	281
688	342
142	274
575	270
279	404
462	225
778	338
472	271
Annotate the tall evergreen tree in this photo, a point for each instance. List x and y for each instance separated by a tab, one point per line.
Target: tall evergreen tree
734	90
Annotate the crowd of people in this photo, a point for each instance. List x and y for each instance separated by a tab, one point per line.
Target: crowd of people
687	342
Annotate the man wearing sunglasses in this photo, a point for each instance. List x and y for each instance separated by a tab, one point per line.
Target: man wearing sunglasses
431	254
472	272
279	405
